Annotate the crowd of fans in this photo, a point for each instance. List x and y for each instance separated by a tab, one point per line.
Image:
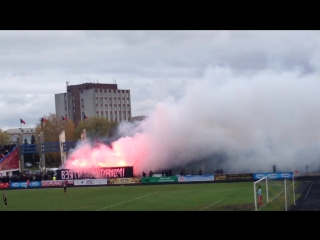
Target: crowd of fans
27	175
5	149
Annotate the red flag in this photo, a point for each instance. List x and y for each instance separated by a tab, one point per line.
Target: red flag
84	116
21	121
64	118
296	171
43	120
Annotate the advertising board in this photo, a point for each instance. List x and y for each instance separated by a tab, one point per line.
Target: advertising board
233	177
55	183
159	179
4	185
273	175
124	180
82	182
195	178
33	184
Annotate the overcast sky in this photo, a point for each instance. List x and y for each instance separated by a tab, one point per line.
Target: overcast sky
154	65
248	94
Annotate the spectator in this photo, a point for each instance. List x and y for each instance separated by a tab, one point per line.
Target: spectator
200	171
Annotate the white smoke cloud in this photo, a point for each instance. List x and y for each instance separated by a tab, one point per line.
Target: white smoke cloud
238	123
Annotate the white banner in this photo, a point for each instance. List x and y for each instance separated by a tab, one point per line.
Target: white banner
78	182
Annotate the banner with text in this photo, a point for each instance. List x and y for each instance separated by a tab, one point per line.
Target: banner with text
272	175
33	184
87	182
124	180
159	179
4	185
96	173
55	183
233	177
195	178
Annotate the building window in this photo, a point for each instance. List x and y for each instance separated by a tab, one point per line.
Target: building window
101	113
82	106
97	113
74	110
106	113
101	90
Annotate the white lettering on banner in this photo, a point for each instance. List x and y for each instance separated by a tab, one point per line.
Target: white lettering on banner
260	175
273	175
112	173
285	175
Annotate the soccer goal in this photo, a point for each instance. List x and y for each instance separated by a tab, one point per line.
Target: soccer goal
277	194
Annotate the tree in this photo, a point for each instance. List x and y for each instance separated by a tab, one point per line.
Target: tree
96	128
4	138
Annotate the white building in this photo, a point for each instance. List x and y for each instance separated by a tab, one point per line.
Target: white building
14	134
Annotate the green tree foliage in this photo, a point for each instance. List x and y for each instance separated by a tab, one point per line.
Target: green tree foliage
96	128
4	138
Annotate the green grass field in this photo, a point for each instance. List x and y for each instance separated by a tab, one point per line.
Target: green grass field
175	197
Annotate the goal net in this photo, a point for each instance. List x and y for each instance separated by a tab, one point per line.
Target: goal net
277	194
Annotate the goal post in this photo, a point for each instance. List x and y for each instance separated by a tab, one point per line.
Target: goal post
265	179
279	193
